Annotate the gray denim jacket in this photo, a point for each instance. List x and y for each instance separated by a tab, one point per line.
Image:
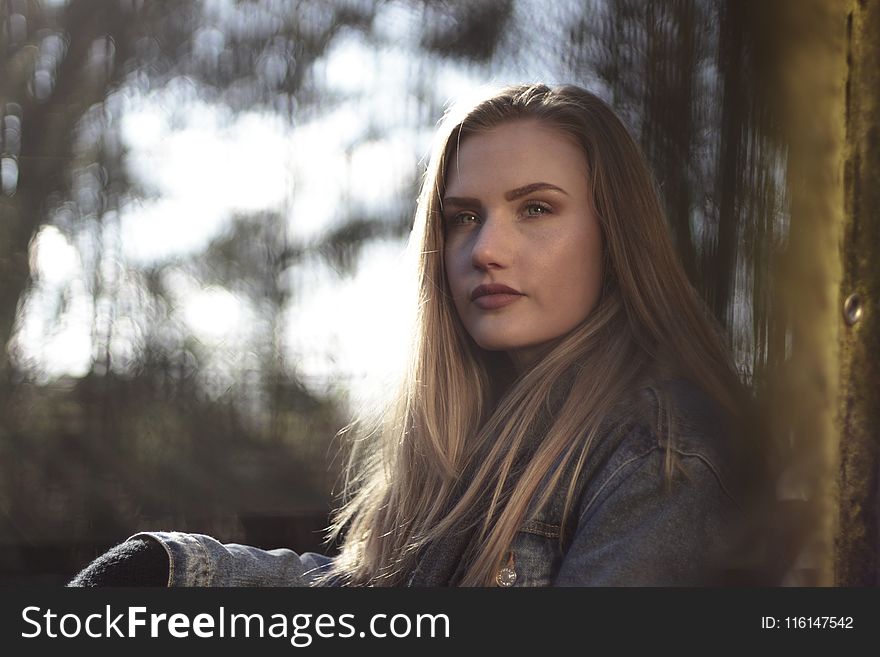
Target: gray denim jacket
630	528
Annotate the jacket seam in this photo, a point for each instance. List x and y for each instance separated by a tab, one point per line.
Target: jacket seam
705	459
206	570
171	563
715	473
540	528
700	457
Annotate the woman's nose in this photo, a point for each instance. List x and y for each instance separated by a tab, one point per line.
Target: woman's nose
492	246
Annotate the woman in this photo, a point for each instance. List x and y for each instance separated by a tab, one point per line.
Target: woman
568	412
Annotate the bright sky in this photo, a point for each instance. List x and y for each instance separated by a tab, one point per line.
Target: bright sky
201	163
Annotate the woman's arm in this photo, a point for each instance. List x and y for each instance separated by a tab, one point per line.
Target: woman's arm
180	559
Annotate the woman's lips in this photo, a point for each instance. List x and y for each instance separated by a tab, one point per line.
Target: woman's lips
495	301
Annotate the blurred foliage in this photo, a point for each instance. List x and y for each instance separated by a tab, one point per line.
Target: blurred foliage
469	31
186	434
171	437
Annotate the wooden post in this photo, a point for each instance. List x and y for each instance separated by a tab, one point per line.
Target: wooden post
857	544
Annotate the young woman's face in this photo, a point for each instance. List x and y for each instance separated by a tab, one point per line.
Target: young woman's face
523	247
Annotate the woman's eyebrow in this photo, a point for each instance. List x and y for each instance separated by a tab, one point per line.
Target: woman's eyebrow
525	190
460	202
512	195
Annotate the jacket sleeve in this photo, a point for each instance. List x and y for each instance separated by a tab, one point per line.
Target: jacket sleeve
639	530
200	560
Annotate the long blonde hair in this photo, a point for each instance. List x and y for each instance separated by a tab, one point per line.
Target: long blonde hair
449	451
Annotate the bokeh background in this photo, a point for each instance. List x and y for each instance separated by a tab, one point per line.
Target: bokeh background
204	206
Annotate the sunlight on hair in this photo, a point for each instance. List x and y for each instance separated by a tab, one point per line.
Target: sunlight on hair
466	98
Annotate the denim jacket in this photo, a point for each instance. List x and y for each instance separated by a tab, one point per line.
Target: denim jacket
630	526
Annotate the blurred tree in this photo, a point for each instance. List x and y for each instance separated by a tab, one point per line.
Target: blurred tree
140	436
61	64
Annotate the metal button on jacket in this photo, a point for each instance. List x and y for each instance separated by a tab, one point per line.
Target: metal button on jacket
507	574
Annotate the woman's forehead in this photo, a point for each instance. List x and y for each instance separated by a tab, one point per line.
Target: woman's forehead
514	154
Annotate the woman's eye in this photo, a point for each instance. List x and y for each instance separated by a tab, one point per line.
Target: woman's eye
464	218
536	209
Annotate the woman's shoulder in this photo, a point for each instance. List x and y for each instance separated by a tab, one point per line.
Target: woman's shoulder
670	422
688	413
693	425
678	415
662	502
